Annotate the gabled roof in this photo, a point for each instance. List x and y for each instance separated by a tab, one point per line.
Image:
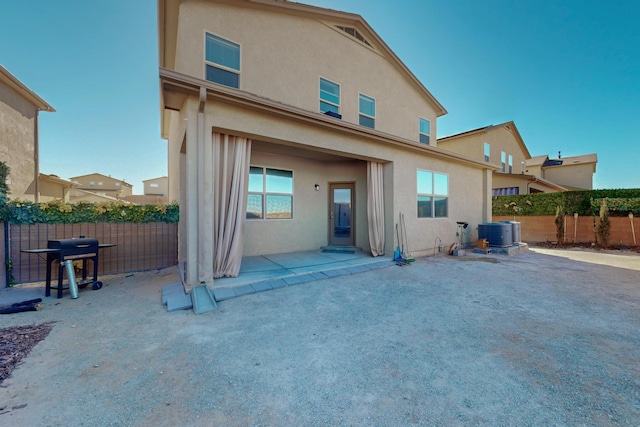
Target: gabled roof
338	18
545	161
510	126
99	174
12	81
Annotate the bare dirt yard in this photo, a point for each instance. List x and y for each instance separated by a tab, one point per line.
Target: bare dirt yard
547	337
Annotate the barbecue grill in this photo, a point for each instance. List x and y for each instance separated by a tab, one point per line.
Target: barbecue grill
62	250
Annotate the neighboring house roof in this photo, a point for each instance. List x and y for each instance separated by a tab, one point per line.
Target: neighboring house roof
77	195
55	179
534	179
10	80
545	161
99	174
537	160
510	126
155	179
338	17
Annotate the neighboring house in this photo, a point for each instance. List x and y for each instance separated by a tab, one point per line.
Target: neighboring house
293	127
156	186
517	172
53	187
103	185
19	141
573	173
77	195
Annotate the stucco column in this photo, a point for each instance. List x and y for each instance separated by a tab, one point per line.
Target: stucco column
191	196
205	193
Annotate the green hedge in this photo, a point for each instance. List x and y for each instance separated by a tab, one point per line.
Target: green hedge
57	212
619	201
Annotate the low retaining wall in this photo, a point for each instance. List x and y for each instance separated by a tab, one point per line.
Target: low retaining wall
543	229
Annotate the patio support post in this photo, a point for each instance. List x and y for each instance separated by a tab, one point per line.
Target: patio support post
206	193
192	197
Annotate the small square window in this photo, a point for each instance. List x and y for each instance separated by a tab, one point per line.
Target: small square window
487	152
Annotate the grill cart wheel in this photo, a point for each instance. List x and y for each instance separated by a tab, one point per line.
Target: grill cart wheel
96	286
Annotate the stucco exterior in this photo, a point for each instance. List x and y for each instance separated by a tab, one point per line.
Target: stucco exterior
19	109
517	171
285	49
156	186
103	185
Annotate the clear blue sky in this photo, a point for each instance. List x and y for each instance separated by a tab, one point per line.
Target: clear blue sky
567	72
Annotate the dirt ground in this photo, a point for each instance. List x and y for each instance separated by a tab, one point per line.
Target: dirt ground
546	337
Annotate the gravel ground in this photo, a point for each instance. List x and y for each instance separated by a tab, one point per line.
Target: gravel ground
532	339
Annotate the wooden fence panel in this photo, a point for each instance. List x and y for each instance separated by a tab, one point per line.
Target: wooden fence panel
139	247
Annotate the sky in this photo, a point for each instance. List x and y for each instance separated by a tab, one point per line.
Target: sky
567	72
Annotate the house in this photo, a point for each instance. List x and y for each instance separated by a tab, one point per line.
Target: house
156	186
517	171
292	128
573	172
53	187
19	140
103	185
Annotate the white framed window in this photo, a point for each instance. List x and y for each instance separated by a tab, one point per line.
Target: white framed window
487	152
117	184
153	185
222	61
330	98
433	194
503	161
99	183
270	193
510	163
367	110
425	130
92	183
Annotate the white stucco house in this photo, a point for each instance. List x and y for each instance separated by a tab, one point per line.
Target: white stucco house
292	127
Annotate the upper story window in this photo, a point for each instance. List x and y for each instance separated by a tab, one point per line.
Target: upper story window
503	161
222	61
117	184
92	183
433	194
487	152
510	163
329	97
367	108
100	183
425	130
153	185
270	194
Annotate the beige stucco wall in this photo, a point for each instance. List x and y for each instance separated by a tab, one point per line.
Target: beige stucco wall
309	227
283	57
500	140
99	183
575	176
17	142
161	187
50	190
467	184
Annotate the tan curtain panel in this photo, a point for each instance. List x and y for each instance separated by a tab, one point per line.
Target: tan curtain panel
231	157
375	207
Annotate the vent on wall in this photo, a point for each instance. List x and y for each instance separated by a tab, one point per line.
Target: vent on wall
354	33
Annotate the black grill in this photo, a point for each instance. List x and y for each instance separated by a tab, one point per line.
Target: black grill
72	249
